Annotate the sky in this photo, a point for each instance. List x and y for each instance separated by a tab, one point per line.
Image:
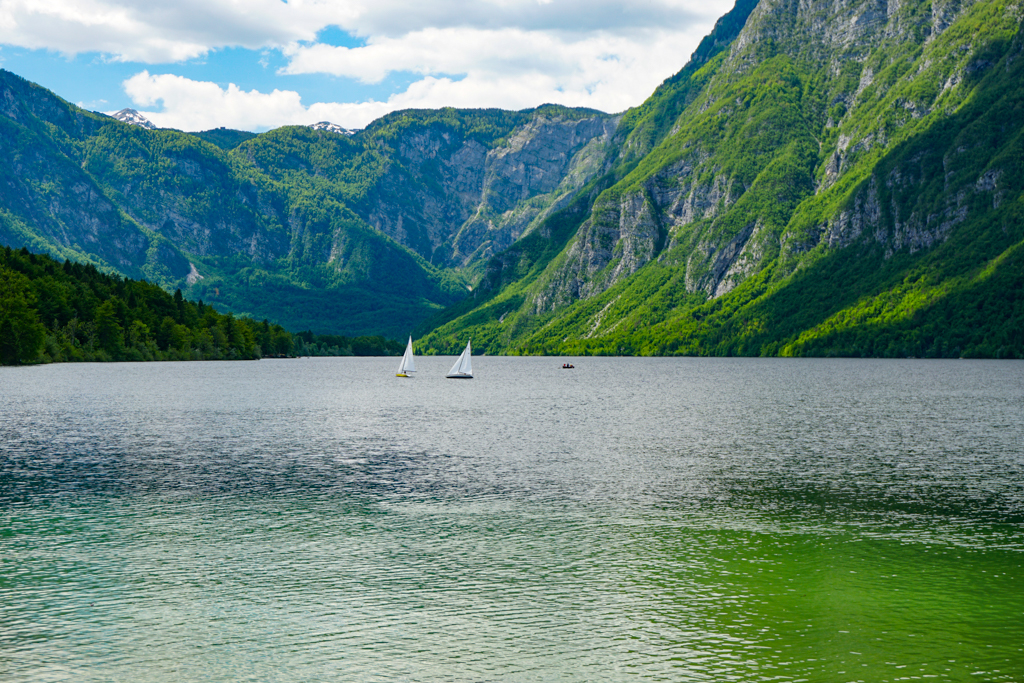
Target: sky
259	64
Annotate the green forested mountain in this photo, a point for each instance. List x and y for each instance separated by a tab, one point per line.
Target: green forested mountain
840	178
309	228
836	179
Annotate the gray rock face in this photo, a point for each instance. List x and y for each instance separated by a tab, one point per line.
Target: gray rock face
331	128
469	202
433	189
623	236
913	230
537	172
618	239
615	242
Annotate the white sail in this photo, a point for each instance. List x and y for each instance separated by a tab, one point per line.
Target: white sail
464	365
467	360
408	363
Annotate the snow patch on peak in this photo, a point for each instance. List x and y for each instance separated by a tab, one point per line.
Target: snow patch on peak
331	128
134	118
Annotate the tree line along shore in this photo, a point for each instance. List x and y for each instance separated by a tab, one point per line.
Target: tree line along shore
65	312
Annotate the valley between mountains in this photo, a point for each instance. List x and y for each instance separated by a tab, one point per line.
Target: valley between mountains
822	178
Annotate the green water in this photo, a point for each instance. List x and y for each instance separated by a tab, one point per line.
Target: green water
677	520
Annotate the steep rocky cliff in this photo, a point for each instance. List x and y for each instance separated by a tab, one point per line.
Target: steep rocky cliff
877	137
809	140
456	198
536	172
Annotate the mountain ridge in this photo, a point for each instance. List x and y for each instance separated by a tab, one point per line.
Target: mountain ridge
820	178
353	233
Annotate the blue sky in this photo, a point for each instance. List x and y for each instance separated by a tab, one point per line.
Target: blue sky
258	64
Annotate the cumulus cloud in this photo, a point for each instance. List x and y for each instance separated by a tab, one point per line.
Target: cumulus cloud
159	32
399	17
167	32
509	68
200	105
495	52
605	54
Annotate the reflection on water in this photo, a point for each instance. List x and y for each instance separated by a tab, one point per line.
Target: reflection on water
653	519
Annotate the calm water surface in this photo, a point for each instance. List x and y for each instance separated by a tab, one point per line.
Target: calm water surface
632	519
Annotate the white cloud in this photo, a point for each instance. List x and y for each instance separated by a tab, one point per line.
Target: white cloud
607	82
199	105
158	32
399	17
167	32
458	51
605	54
598	70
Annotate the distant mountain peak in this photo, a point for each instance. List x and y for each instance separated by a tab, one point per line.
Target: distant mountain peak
331	128
134	118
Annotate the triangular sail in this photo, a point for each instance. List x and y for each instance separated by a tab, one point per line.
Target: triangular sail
467	360
464	364
457	368
408	363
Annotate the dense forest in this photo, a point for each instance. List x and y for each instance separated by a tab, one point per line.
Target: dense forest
55	312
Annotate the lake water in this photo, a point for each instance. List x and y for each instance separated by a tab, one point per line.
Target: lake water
632	519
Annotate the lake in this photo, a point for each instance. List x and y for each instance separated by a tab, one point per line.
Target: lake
630	519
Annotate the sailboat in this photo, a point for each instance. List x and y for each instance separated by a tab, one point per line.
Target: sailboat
463	368
408	363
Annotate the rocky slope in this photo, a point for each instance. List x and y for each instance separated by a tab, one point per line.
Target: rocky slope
697	196
865	136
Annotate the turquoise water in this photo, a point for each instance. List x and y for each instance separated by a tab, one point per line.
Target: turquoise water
632	519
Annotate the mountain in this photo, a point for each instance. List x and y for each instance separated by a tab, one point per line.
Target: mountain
331	128
822	179
134	118
349	234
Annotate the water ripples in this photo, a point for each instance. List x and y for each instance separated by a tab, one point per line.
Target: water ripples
683	520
